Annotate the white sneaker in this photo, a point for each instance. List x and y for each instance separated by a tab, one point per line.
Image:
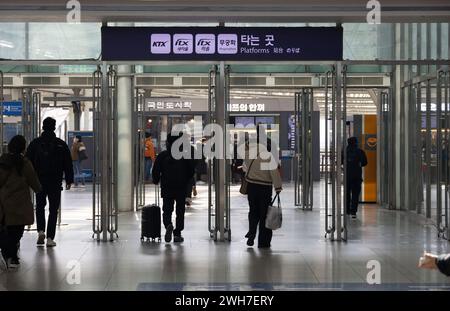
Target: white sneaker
51	243
41	238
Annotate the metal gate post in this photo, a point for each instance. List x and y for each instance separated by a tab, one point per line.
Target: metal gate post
97	81
221	112
104	117
338	152
428	149
328	165
211	167
419	154
344	151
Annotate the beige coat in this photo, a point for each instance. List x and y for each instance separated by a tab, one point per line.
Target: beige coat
16	207
257	172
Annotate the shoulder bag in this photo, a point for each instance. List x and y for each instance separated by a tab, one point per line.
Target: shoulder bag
244	184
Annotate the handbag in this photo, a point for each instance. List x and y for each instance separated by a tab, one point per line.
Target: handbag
274	217
82	153
244	183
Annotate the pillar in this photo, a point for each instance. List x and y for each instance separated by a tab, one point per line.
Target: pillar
124	138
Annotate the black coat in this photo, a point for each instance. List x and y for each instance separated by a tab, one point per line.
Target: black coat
443	264
51	160
356	160
174	175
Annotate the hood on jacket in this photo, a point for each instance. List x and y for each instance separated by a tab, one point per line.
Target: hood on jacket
6	161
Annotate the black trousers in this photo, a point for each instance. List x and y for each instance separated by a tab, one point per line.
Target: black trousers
168	206
11	239
353	193
54	201
259	199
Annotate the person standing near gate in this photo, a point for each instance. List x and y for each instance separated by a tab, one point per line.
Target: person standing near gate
356	160
51	160
149	156
78	153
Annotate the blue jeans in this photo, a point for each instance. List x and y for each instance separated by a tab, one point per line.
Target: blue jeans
148	168
77	171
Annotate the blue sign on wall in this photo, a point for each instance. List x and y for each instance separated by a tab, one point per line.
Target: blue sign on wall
222	43
12	108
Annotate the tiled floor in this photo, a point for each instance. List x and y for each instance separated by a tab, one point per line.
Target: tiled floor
300	256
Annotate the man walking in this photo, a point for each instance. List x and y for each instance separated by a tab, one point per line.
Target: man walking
356	160
173	175
51	159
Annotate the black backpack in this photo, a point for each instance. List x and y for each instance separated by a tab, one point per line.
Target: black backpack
47	158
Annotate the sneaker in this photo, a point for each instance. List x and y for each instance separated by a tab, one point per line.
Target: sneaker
178	239
51	243
188	202
41	238
250	241
353	216
264	246
3	262
14	263
168	236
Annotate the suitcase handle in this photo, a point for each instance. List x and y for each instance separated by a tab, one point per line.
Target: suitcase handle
157	195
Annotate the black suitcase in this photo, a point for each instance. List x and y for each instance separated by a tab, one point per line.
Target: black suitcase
151	220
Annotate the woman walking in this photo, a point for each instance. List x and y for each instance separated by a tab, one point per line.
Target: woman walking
16	208
260	179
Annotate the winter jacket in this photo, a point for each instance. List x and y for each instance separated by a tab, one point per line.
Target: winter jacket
16	207
149	149
443	264
255	173
356	160
173	174
76	149
51	160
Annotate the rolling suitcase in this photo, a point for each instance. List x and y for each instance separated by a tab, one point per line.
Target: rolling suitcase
151	220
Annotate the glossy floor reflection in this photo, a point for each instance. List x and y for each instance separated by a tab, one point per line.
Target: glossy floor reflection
300	254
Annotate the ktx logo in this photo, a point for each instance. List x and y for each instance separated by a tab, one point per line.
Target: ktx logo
160	43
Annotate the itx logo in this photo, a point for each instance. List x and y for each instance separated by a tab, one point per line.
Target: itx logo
204	42
159	43
183	43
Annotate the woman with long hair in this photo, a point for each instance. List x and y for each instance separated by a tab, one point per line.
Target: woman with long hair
17	176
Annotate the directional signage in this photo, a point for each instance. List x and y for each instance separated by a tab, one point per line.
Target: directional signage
12	108
222	43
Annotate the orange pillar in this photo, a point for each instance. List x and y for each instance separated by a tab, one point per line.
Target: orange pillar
369	145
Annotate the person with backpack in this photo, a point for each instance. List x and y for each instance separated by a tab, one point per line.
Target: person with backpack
17	176
174	176
52	161
356	160
78	153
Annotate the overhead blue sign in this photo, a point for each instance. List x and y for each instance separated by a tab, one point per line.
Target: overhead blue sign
222	43
12	108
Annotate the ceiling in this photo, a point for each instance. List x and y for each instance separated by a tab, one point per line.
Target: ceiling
225	11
